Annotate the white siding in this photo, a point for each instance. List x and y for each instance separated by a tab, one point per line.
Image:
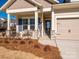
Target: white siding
74	0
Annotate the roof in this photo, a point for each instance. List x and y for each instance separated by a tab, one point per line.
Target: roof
66	6
39	3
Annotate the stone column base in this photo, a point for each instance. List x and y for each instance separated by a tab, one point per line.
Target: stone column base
53	35
8	33
35	34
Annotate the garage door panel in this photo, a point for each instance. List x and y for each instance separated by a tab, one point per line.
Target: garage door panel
75	30
68	36
68	28
62	30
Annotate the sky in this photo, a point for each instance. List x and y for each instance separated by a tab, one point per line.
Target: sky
2	2
4	15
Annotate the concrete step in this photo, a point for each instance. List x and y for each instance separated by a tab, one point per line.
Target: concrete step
48	42
45	38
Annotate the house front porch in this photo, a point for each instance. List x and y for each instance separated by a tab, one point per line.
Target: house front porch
36	17
32	24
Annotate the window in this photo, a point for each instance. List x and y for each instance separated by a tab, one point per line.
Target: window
25	24
20	22
32	23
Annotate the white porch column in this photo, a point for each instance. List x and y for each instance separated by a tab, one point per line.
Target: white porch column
42	19
53	21
36	20
53	25
36	25
17	26
8	24
28	24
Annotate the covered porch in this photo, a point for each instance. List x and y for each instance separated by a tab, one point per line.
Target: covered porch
36	24
34	17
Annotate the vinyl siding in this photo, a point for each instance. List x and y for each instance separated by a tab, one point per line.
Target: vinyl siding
19	4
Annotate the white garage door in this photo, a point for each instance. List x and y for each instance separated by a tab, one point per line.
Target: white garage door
68	28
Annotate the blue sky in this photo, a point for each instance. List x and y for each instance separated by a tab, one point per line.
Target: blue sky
2	2
4	15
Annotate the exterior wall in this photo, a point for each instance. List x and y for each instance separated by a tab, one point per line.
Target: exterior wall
67	11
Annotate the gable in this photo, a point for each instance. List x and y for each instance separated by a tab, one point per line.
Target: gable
19	4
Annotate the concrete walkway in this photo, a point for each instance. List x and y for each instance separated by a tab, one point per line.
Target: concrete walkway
69	48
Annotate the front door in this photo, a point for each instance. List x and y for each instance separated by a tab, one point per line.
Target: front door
48	27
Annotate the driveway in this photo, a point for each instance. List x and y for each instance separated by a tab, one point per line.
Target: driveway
69	48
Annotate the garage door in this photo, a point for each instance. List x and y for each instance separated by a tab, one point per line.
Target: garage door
68	28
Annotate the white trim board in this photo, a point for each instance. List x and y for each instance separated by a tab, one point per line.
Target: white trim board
28	10
47	9
67	15
22	10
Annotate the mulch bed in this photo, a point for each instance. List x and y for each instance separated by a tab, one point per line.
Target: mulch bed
32	46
